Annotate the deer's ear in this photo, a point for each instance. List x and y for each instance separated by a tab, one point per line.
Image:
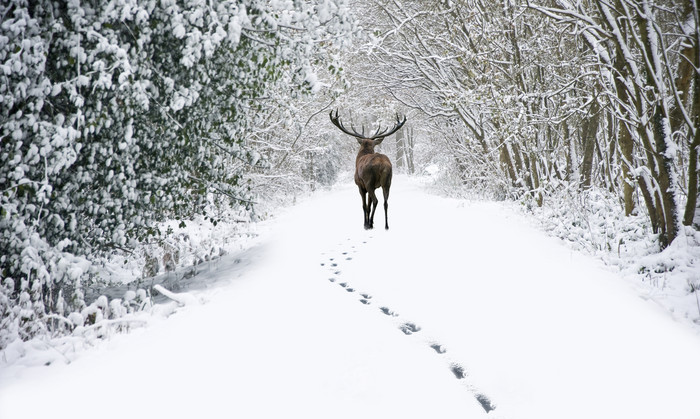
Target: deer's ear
378	141
359	140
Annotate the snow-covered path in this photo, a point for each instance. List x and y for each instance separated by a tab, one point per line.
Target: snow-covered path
460	310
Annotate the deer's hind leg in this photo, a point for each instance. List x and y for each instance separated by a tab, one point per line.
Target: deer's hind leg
385	189
365	207
373	205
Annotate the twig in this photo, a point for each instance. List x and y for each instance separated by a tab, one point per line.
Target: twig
302	130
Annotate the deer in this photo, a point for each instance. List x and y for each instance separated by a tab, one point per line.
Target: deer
372	170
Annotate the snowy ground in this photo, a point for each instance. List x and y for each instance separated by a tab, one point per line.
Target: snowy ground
461	309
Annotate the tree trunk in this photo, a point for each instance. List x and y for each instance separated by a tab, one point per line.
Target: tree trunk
507	164
691	206
572	173
628	179
611	162
624	134
588	137
534	170
409	151
400	150
684	76
649	201
520	168
664	162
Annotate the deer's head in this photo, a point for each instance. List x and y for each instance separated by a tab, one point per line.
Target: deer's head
367	143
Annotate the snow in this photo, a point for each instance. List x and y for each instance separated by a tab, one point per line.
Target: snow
324	319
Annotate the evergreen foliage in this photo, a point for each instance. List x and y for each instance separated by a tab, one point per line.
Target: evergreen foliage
118	115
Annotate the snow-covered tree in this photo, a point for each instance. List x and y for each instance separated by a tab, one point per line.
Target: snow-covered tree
117	115
647	59
544	98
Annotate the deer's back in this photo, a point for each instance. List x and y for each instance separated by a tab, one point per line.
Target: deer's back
373	171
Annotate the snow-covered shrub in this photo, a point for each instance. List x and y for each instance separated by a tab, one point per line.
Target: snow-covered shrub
323	165
116	116
593	221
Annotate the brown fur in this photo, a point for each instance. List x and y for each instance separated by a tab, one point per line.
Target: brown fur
372	170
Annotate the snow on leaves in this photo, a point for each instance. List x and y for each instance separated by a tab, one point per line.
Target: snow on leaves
118	115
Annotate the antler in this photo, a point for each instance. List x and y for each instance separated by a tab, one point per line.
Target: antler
336	121
379	134
399	124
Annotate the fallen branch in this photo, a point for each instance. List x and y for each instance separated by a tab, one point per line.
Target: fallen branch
182	299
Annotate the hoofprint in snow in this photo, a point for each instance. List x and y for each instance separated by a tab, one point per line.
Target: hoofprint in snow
460	310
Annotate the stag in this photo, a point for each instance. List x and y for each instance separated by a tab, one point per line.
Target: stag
372	170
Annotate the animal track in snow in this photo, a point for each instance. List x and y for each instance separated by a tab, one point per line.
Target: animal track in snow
485	402
409	328
388	312
438	348
458	371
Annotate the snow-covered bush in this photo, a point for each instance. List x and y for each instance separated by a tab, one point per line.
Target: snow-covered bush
593	221
116	116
